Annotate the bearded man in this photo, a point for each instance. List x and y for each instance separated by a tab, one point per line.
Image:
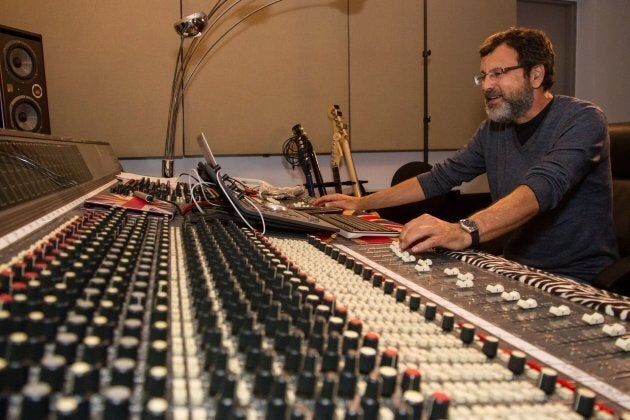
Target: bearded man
547	161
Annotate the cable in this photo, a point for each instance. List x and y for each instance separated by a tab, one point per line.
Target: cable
235	207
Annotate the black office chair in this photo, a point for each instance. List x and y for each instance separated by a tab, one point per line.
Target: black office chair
616	278
406	212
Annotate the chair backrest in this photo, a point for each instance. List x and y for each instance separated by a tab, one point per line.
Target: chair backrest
409	170
619	149
619	153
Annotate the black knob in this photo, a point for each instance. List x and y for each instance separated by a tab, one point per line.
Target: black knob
155	382
377	280
430	311
415	400
264	378
103	328
117	400
370	399
390	357
70	408
277	404
388	379
490	346
411	380
388	286
414	302
94	352
584	403
85	379
348	376
35	400
128	347
448	321
307	379
132	327
367	359
467	333
516	363
547	380
438	406
159	331
371	339
53	370
350	341
122	372
155	409
157	353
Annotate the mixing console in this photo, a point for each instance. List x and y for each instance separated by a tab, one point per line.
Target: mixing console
115	314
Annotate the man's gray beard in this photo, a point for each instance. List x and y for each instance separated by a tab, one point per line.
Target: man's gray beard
511	109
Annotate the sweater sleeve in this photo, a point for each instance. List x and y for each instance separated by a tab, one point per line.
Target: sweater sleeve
467	163
578	144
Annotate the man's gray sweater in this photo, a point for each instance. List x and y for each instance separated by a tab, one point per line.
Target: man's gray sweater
566	164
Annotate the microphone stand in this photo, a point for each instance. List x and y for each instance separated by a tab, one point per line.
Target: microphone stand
425	57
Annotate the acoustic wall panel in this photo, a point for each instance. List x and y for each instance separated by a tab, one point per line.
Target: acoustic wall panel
109	68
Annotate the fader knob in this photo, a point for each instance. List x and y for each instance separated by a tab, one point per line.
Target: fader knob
415	400
52	371
67	407
367	359
414	302
584	403
516	363
155	409
371	339
155	381
348	376
390	357
157	353
467	333
411	380
84	378
547	380
307	380
35	400
277	405
438	406
388	380
117	400
123	372
325	405
490	346
370	399
448	321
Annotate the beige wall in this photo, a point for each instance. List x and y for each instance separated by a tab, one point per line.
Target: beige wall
603	56
109	68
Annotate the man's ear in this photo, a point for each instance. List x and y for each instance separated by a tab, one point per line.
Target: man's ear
537	75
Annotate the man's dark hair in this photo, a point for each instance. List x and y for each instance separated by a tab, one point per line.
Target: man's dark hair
533	48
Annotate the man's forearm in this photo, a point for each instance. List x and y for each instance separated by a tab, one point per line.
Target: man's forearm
506	214
408	191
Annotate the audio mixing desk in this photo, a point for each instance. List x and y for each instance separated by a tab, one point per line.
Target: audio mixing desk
115	313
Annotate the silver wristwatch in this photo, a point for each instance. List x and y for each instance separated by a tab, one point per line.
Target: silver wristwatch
471	227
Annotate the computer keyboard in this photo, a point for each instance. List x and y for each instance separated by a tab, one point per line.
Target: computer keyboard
352	226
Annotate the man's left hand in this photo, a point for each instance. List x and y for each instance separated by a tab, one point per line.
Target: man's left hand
426	231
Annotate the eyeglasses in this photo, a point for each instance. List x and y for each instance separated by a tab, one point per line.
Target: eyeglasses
493	74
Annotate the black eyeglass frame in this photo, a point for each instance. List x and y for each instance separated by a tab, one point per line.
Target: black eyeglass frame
494	73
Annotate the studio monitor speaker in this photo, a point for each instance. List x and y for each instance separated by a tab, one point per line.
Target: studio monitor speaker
23	96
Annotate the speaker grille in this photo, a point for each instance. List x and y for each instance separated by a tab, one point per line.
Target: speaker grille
23	97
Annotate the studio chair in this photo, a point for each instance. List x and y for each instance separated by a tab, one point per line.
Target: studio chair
406	212
616	278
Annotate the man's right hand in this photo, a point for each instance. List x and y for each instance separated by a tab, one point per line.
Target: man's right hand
342	201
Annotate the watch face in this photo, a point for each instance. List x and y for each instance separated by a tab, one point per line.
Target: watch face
468	225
